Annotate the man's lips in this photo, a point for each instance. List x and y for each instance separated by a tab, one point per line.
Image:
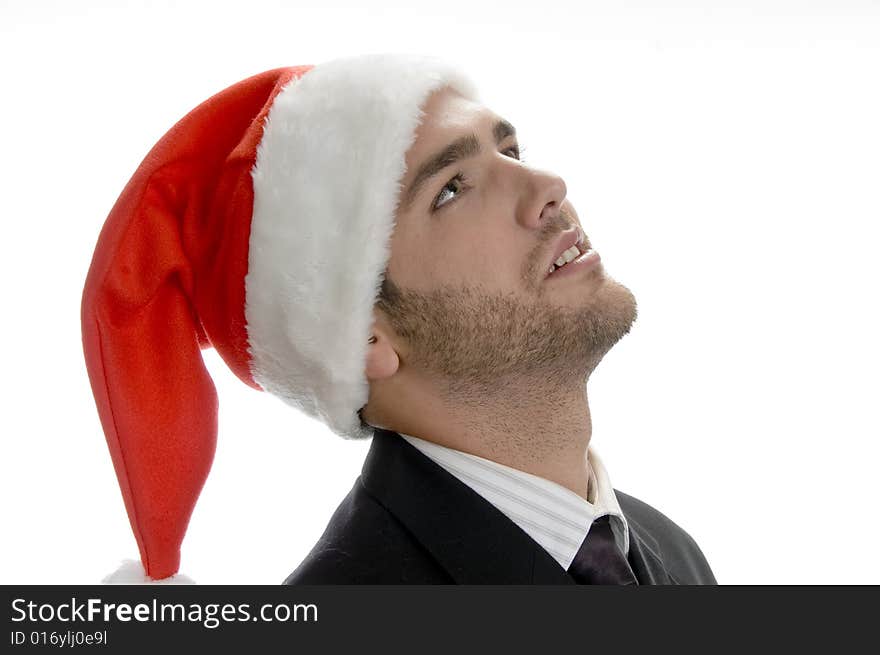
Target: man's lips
565	241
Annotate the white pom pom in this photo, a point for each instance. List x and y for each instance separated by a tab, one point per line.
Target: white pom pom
132	572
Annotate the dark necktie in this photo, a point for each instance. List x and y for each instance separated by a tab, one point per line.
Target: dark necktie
599	560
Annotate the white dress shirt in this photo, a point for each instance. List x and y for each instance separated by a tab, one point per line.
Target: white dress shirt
555	517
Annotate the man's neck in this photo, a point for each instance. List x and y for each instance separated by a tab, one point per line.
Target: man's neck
543	434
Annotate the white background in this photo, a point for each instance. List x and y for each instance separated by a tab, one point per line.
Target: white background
724	159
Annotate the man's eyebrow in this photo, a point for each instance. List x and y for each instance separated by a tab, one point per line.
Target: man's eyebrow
461	148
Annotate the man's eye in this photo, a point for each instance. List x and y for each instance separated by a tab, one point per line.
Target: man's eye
457	181
461	181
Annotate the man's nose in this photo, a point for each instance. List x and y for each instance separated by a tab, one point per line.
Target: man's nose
543	193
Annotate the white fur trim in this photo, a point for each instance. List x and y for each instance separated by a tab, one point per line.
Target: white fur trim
132	572
326	183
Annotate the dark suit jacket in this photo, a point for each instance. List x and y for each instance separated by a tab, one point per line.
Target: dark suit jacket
409	521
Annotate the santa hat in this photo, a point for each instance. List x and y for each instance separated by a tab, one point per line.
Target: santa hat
259	225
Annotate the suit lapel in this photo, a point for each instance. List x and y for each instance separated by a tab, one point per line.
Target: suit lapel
644	556
473	541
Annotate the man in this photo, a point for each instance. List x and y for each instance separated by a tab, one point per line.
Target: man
481	470
360	239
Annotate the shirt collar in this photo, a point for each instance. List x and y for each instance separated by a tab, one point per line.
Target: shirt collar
555	517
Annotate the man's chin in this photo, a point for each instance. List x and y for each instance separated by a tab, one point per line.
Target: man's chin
625	302
613	313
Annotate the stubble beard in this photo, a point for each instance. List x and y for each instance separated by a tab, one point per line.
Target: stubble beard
476	345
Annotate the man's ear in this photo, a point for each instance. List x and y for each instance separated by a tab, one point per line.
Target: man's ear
382	358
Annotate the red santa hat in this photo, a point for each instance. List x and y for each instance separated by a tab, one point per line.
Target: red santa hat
259	225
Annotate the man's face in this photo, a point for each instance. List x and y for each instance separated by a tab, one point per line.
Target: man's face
470	256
